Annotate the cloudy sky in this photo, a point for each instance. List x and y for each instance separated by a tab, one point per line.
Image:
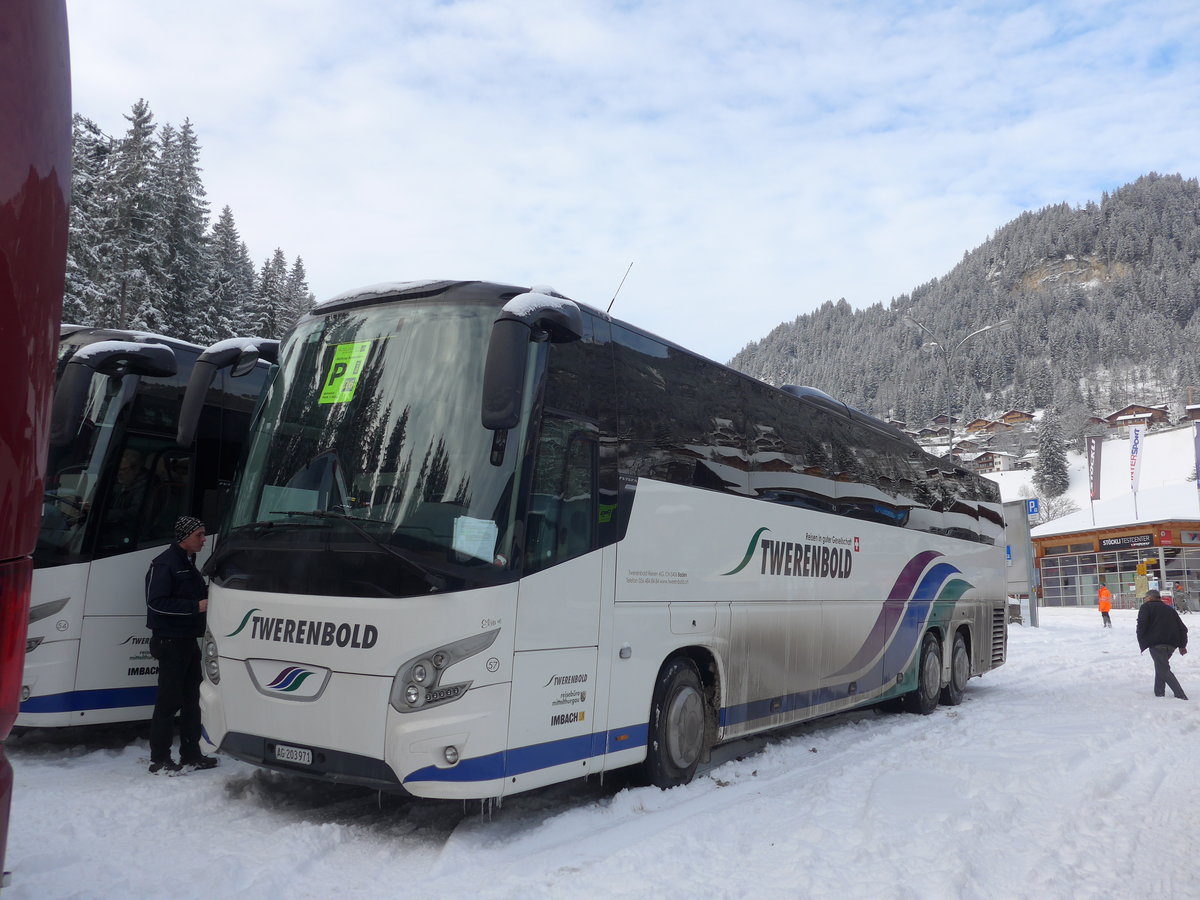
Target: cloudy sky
752	160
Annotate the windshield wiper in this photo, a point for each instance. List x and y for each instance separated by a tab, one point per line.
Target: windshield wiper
435	578
264	525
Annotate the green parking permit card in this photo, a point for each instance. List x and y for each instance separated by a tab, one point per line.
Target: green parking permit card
344	370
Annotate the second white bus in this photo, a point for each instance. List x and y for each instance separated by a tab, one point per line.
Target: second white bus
488	538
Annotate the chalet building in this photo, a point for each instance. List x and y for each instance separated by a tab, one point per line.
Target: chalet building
970	446
978	425
992	461
943	419
1137	414
1192	412
1016	417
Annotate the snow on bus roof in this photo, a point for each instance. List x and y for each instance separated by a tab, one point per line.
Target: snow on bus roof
371	291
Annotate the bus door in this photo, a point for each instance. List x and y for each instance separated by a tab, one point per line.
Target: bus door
137	514
558	612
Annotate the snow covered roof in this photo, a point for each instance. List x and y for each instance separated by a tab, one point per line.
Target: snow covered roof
375	291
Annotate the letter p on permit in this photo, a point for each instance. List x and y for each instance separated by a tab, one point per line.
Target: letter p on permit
344	369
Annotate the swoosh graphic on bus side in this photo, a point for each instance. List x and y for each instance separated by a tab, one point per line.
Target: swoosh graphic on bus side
749	552
244	621
933	581
880	633
902	589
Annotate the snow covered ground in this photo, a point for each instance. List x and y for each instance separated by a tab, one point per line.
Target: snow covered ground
1060	776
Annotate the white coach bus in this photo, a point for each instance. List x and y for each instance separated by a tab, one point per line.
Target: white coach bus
488	538
117	477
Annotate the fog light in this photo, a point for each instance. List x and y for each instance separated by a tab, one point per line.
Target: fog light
420	673
412	695
24	692
451	754
32	644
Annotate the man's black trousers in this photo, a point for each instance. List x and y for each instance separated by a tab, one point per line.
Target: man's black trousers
178	692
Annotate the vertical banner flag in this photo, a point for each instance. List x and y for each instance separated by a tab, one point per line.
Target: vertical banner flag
1095	445
1137	436
1196	442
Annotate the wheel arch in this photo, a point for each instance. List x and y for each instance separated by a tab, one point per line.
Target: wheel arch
963	628
709	668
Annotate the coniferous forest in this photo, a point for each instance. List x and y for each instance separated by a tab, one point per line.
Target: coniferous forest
1105	301
142	253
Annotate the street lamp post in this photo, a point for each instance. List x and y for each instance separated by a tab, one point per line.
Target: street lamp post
938	346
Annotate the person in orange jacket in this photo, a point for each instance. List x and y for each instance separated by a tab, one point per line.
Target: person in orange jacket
1105	598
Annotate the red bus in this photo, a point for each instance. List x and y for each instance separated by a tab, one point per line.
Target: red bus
35	185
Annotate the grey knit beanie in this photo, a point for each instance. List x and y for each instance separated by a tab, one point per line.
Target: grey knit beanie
184	526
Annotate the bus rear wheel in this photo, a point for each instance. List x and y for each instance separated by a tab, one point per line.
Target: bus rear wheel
924	699
677	725
960	671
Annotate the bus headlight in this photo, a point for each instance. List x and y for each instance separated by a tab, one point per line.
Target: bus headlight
212	663
418	683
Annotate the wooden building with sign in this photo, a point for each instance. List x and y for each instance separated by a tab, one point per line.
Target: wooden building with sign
1074	565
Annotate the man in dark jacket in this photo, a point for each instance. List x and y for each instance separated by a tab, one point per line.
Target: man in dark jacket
176	601
1161	631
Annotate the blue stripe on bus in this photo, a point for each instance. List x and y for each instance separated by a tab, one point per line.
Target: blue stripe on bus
81	701
911	627
520	760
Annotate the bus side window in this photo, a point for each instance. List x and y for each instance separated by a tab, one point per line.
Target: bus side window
145	495
168	498
562	516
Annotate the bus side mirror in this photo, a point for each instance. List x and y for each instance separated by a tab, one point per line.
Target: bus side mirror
116	358
529	316
504	374
239	355
267	351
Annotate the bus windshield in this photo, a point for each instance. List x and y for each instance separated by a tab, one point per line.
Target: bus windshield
369	447
74	471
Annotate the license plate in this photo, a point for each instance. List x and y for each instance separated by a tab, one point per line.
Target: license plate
298	755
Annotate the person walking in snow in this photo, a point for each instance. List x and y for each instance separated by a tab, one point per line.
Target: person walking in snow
176	603
1105	600
1162	632
1181	598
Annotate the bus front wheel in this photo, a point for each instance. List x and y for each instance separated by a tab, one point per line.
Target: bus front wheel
960	671
924	699
675	741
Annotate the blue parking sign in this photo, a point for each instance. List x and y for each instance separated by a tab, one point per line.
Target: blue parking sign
1031	506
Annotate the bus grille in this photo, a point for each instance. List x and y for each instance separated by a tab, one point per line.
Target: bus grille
999	635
